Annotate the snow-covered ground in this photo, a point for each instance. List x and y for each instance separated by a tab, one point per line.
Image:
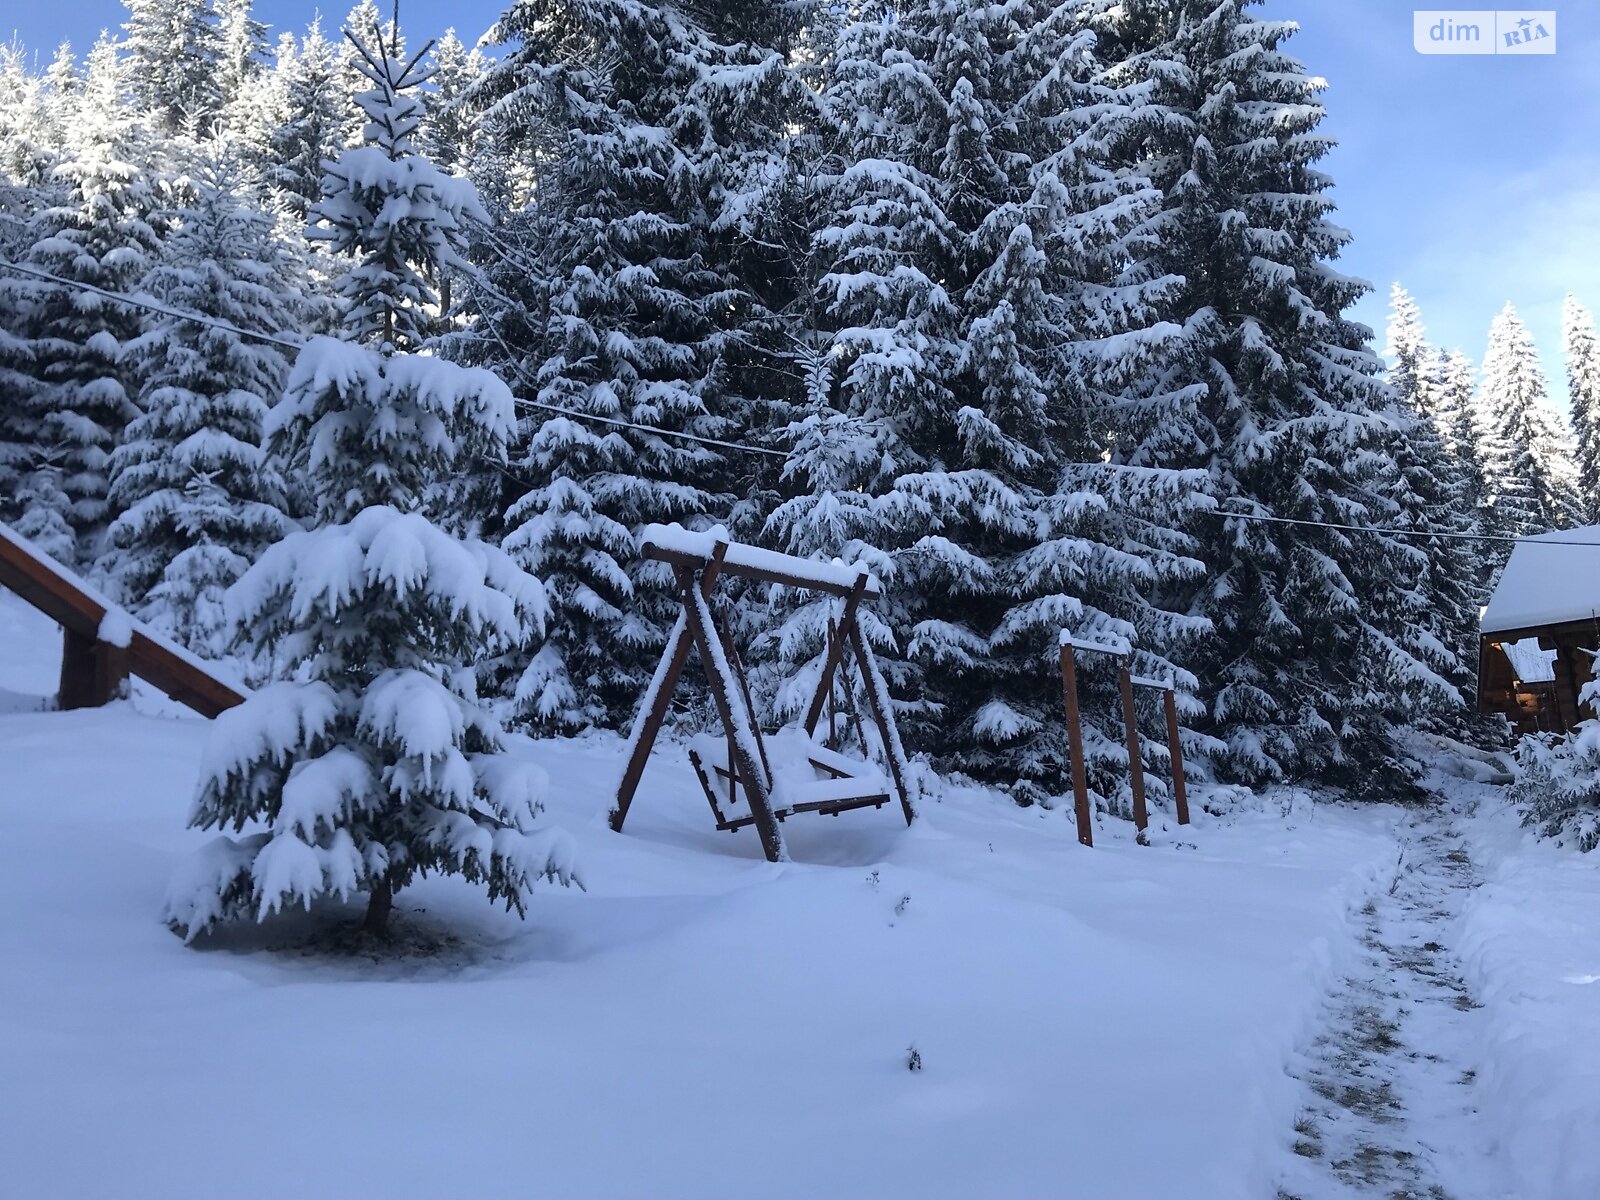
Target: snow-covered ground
1109	1023
1531	946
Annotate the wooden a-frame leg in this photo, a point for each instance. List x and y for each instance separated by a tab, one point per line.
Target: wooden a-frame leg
735	719
833	705
647	725
737	663
882	716
835	654
1080	774
847	688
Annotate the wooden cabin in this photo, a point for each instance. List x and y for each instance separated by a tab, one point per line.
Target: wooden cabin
1540	632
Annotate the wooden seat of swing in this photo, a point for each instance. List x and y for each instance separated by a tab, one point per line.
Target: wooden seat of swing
836	783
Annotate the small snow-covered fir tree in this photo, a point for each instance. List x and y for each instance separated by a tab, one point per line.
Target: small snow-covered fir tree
452	129
28	148
376	763
242	50
1583	390
1527	459
1557	787
196	502
249	96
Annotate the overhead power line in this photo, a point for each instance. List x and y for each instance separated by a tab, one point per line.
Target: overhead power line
153	306
149	305
1540	539
673	433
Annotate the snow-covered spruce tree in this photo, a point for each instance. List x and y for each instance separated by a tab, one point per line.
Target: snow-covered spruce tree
196	502
365	18
884	347
1583	390
64	379
1315	653
377	763
1527	460
174	56
310	128
63	84
451	131
250	96
1432	489
1458	409
1557	788
972	303
451	137
28	147
634	310
242	50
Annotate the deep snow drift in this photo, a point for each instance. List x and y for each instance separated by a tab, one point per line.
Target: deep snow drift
1113	1022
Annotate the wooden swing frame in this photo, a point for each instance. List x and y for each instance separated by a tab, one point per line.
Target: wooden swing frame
699	628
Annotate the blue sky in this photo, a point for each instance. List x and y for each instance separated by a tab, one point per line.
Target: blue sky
1472	179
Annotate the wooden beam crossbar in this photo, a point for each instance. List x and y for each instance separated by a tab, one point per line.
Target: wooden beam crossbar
791	577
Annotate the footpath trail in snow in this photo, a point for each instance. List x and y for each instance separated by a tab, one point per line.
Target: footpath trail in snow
1392	1075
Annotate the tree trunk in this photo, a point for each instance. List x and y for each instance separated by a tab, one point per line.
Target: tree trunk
377	922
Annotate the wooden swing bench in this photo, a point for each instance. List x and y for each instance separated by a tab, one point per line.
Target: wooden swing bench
749	777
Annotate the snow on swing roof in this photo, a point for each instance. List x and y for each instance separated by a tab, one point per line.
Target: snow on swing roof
833	575
1548	580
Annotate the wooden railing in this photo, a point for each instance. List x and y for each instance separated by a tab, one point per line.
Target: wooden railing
93	667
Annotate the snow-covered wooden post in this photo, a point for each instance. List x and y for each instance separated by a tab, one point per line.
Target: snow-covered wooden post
111	652
1080	775
95	669
77	670
1130	719
1180	794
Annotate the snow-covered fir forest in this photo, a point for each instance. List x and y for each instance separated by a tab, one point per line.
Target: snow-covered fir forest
1025	309
357	362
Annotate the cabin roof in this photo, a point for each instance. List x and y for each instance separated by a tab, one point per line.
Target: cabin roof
1548	581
